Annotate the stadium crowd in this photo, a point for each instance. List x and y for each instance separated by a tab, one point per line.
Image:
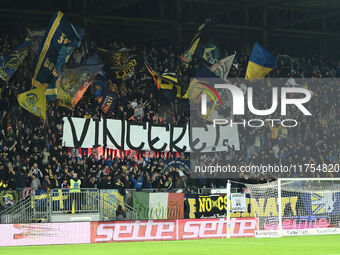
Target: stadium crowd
32	155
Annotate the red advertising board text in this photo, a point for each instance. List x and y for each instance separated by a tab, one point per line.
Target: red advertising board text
170	229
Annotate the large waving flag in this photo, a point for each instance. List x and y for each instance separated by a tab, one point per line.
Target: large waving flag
261	62
13	60
122	62
60	39
34	101
166	82
73	83
189	53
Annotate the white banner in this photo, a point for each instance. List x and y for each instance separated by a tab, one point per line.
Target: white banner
219	191
125	135
238	202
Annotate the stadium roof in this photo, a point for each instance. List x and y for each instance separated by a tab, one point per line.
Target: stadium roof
262	20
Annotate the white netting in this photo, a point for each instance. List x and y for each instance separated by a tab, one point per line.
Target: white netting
305	204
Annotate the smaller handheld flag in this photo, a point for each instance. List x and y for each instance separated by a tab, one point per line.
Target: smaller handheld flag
222	67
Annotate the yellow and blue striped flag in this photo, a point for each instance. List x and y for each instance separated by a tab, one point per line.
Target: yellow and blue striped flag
261	62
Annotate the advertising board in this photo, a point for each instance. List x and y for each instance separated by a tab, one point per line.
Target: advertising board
44	233
149	230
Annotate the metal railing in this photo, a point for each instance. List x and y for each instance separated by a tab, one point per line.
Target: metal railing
84	201
193	190
110	206
39	208
30	210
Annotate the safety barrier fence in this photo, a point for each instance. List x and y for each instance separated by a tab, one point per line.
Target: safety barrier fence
40	208
84	201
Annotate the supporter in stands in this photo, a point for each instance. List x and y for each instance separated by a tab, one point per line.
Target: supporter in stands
35	182
107	183
46	183
147	182
137	184
120	186
45	156
120	213
64	185
55	183
127	182
29	144
20	178
181	182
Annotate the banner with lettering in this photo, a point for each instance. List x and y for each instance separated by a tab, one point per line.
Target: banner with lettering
211	206
126	135
198	206
158	205
161	230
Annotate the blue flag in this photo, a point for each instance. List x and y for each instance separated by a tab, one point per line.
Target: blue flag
13	60
60	39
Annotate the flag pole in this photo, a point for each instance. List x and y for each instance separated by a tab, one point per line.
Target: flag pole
228	208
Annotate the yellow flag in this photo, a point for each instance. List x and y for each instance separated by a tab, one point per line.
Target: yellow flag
34	101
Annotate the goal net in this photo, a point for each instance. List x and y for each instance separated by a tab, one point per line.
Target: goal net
296	207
